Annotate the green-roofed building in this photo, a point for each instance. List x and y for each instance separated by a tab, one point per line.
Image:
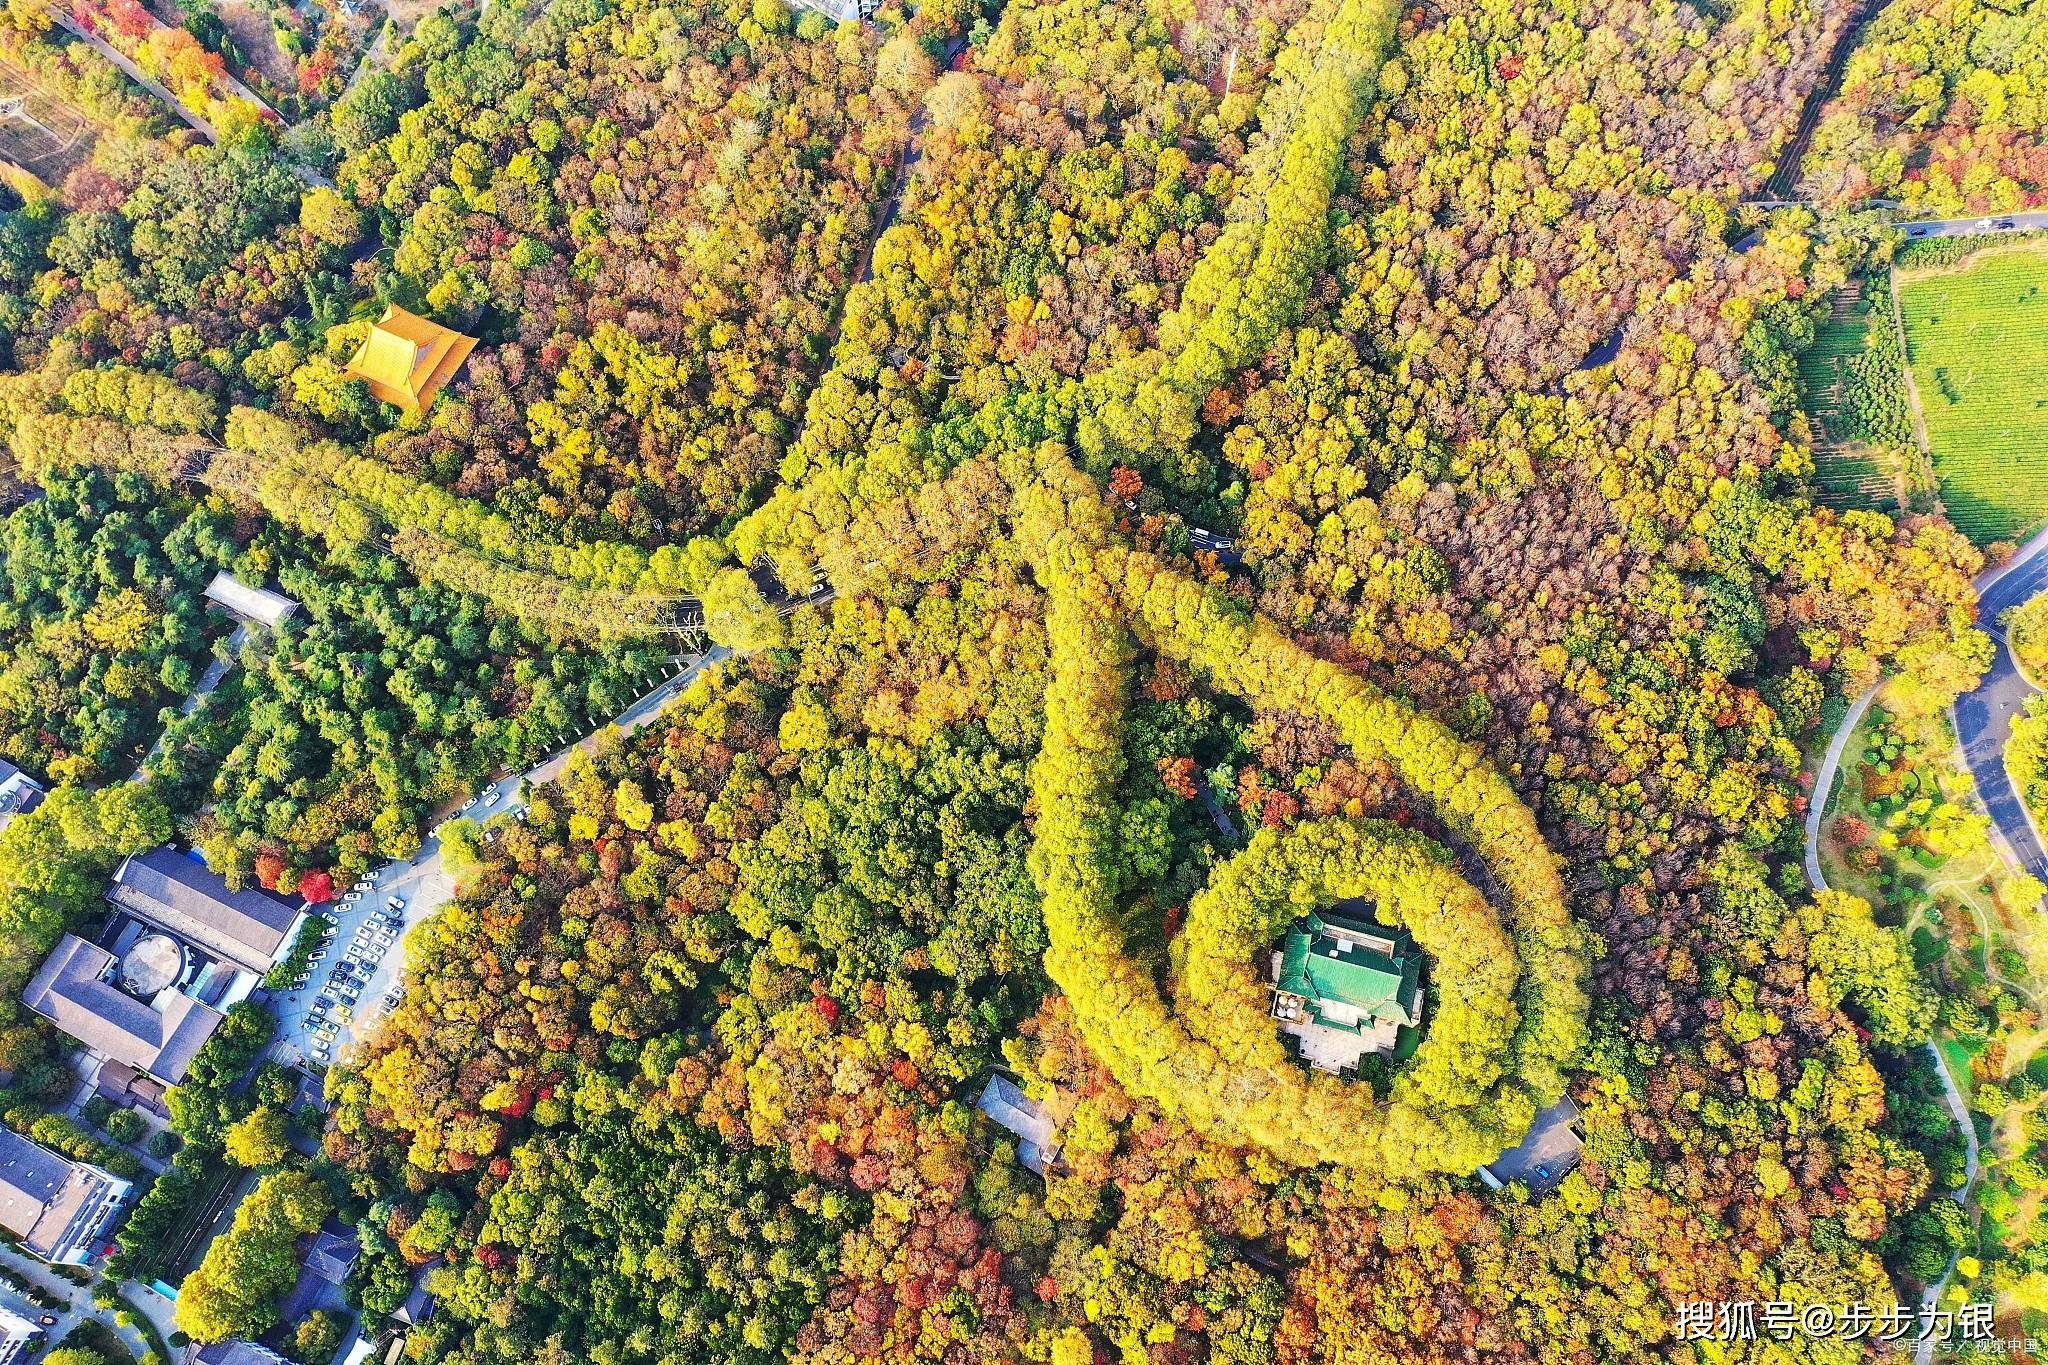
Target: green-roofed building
1346	986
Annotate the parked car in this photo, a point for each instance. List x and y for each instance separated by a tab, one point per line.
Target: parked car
349	897
490	792
317	955
395	903
469	803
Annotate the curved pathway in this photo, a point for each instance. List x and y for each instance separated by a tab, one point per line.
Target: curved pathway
1823	788
1931	1296
78	1304
1824	782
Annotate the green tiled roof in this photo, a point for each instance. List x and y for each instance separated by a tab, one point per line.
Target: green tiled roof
1321	967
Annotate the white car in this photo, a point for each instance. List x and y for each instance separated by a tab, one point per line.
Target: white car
469	803
366	883
395	903
350	897
490	792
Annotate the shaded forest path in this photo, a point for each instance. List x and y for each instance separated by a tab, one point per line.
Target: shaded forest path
1785	175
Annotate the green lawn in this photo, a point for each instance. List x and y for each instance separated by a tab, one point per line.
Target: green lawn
1977	340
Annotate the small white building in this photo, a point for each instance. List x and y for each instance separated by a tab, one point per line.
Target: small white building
16	1332
1012	1109
261	605
19	793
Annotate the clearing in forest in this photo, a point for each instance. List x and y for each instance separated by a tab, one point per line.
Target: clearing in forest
1977	341
1850	385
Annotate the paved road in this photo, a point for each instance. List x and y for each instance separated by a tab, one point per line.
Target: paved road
373	55
134	73
425	887
1974	227
1983	718
1824	782
78	1301
1930	1298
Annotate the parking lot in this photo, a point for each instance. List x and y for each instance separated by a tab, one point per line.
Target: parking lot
345	987
363	961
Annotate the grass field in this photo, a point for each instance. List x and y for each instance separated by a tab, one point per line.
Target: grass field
1856	422
1977	340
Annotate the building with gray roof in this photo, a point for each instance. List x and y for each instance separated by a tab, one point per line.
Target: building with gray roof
57	1207
184	897
260	605
76	990
1012	1109
235	1353
1546	1154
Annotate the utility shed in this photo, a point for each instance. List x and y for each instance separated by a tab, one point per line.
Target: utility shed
260	605
1023	1116
407	358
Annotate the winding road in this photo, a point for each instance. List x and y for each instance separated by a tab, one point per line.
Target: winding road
1823	787
1983	718
1983	721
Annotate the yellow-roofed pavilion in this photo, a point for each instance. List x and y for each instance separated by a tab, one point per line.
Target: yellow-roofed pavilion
407	358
